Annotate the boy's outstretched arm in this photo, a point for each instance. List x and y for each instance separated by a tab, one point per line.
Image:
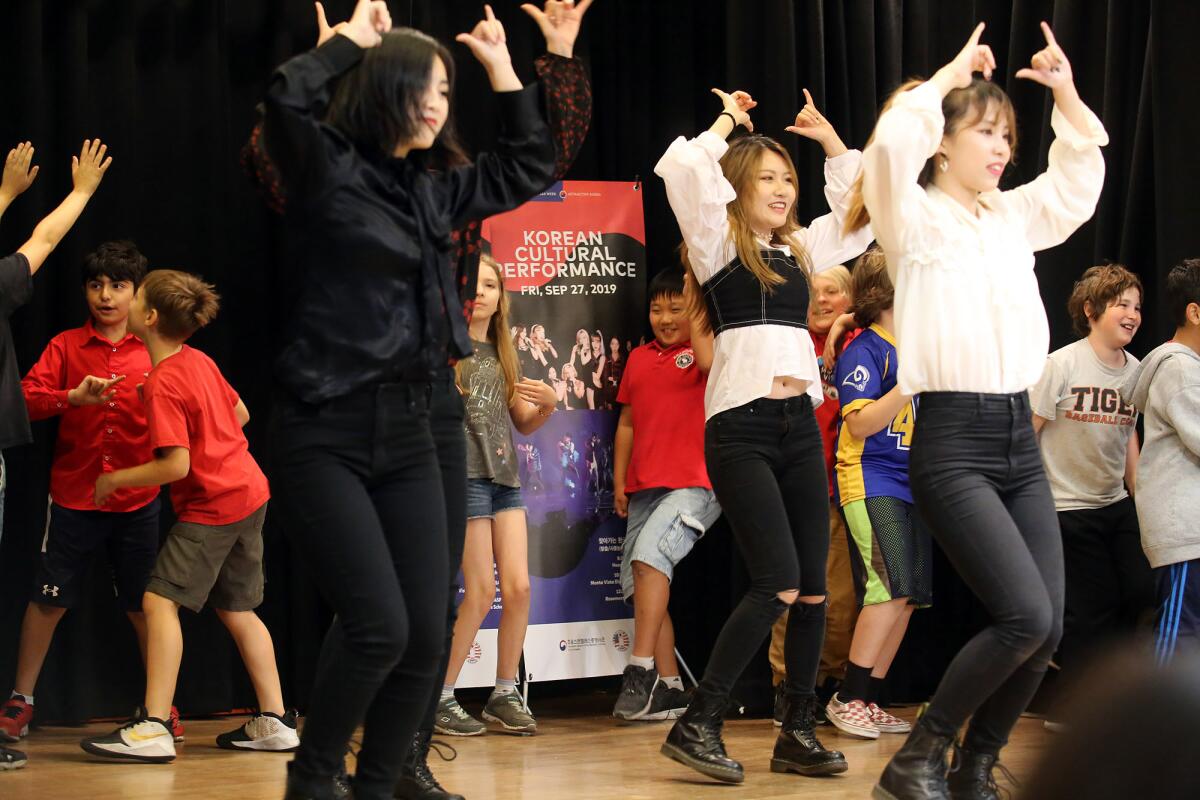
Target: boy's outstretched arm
18	174
87	170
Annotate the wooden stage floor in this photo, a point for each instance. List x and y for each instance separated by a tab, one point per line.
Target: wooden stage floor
580	753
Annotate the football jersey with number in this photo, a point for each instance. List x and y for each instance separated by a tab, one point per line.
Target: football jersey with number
876	466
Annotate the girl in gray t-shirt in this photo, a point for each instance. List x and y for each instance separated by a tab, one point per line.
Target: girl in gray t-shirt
496	399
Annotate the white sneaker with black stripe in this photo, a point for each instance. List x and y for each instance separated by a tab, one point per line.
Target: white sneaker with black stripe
266	731
144	739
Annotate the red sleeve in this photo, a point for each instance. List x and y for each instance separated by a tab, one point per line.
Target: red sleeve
625	391
166	418
44	387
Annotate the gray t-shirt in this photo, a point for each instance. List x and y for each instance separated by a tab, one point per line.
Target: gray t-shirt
1086	438
490	451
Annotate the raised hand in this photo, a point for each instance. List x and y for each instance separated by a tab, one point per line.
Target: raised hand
1049	66
738	105
367	24
18	175
325	32
488	42
88	168
812	125
93	391
974	57
560	23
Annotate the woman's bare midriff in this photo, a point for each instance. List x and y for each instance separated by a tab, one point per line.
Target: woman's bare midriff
783	387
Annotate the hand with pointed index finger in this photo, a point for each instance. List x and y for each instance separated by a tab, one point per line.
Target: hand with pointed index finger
974	57
811	124
737	104
1048	66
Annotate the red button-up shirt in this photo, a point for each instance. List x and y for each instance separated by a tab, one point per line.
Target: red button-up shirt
97	438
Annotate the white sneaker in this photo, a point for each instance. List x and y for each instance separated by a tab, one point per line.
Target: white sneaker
264	731
144	739
853	718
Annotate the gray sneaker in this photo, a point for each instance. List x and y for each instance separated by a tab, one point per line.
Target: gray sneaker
453	720
508	711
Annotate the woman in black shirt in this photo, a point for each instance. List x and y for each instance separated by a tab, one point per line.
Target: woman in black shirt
374	186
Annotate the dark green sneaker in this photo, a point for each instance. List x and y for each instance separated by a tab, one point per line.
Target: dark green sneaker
508	714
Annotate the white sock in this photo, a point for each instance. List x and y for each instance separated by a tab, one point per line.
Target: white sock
673	682
644	663
504	687
28	698
447	692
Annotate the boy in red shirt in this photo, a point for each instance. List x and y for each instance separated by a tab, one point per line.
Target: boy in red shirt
661	486
102	427
16	287
213	553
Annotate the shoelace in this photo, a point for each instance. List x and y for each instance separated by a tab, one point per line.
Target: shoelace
991	778
437	745
457	710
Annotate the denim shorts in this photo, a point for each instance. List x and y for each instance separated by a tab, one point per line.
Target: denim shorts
486	498
662	527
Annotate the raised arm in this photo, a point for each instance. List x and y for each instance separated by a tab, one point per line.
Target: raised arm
87	170
906	136
1062	198
301	146
523	161
824	239
697	189
566	90
18	174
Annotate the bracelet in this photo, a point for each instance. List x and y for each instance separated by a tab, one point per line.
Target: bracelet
544	412
732	118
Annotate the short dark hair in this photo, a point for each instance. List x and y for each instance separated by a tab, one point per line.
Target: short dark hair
117	261
377	104
1183	289
183	301
871	287
1099	287
668	283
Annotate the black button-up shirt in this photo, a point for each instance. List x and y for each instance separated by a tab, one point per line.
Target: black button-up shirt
370	235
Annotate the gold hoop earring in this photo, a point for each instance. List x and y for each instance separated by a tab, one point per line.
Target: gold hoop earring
944	164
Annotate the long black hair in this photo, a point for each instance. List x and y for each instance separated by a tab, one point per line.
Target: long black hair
377	105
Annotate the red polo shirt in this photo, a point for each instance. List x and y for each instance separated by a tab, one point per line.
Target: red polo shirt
664	389
92	439
189	404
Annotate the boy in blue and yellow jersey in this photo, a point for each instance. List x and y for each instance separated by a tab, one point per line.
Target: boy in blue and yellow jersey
890	550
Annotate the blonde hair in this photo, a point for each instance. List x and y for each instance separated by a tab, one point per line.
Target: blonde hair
841	279
498	333
961	108
183	301
741	164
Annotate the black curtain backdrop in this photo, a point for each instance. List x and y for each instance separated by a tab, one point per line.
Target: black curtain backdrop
171	85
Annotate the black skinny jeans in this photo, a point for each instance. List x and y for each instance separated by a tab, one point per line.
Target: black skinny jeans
446	420
767	467
360	482
978	481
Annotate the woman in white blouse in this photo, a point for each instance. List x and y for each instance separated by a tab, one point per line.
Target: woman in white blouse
735	204
930	184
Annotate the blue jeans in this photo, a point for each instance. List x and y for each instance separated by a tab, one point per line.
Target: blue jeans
662	528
